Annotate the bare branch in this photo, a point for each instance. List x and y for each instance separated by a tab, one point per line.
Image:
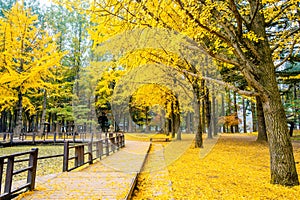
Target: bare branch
287	36
219	35
288	56
284	7
255	12
227	85
195	46
237	16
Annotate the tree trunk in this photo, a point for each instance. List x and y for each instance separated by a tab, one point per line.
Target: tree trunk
254	119
283	170
223	113
19	110
130	129
236	127
188	122
199	140
173	123
202	114
43	114
229	110
295	107
244	115
197	116
214	113
208	113
1	122
37	120
10	128
261	125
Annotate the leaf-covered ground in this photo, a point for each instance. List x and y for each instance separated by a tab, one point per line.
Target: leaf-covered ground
236	167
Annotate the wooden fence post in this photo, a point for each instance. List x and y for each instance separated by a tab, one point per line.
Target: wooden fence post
9	174
112	141
74	136
54	137
122	140
11	138
33	164
33	137
107	147
79	155
66	156
101	148
1	172
90	149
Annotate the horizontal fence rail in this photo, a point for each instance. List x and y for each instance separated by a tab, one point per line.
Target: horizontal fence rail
77	154
82	154
9	161
10	139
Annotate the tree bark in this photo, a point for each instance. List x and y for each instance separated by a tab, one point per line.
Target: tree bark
214	113
188	122
223	113
236	127
130	129
244	115
208	113
283	168
261	124
199	140
254	118
198	119
43	114
19	120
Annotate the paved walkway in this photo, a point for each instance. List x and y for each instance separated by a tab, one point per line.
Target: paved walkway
161	185
110	178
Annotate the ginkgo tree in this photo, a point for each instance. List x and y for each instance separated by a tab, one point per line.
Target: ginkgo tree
148	99
28	58
240	33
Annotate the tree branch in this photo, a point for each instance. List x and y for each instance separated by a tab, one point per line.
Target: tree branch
255	12
227	85
237	16
284	7
282	39
219	35
288	56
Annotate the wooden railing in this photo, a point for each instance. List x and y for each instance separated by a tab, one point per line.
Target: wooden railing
9	161
8	139
86	153
80	154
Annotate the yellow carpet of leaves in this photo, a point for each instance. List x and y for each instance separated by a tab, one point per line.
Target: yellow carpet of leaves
234	167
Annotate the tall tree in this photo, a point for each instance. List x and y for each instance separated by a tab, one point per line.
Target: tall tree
241	33
27	59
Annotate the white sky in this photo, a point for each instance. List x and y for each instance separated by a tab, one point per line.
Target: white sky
45	2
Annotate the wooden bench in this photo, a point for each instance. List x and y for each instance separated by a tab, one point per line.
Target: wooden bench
166	139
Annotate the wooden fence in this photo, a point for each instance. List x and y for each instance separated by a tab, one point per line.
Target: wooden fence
9	161
81	154
86	153
10	139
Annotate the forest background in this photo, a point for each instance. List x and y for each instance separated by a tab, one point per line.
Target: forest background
57	61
